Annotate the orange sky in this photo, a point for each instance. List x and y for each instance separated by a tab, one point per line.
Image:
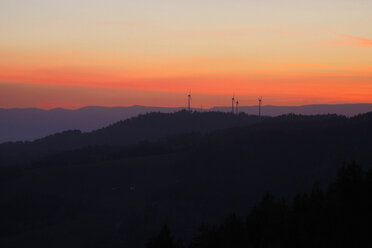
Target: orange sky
152	52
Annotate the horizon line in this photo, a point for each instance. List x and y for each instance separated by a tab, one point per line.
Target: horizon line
182	107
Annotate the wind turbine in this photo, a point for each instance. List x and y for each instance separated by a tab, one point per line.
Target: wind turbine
232	103
259	105
189	101
237	106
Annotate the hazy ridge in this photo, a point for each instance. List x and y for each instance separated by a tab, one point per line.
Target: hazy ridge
19	124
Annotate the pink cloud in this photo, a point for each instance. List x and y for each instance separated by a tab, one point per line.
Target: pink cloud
348	40
357	41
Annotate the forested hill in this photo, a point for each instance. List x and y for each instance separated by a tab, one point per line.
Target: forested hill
119	195
331	129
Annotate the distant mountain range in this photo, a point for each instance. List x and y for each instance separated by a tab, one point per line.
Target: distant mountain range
32	123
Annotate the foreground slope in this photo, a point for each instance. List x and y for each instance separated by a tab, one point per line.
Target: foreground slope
120	195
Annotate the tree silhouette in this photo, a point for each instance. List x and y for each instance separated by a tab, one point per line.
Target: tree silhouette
339	217
163	240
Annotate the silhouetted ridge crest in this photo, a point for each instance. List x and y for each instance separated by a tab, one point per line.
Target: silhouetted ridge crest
225	131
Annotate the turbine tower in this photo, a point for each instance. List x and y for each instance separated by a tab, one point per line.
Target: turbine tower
189	101
259	105
232	103
237	107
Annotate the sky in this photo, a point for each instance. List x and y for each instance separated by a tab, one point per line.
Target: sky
74	53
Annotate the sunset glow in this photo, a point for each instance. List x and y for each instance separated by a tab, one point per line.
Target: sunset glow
118	53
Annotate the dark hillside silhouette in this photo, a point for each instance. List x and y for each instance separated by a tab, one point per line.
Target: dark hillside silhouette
117	195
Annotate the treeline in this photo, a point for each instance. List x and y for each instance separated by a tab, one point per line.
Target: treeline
340	216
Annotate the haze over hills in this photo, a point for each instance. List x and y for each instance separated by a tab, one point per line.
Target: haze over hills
148	127
32	123
29	124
